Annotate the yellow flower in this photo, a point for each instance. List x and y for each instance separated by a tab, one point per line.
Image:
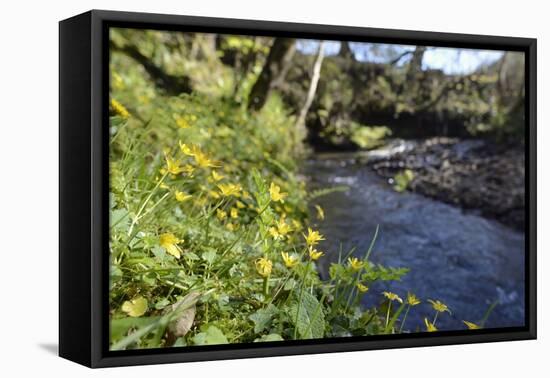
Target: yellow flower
182	197
412	300
189	169
230	226
362	288
264	266
430	327
118	83
275	193
320	212
355	263
240	205
283	227
313	237
203	160
221	214
213	194
135	307
189	151
439	306
170	242
314	254
229	189
471	325
182	122
392	296
119	109
216	176
172	165
274	233
234	213
290	261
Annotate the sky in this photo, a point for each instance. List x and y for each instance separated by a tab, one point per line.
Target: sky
449	60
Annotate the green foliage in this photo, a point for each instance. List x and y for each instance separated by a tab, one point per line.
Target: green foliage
368	137
402	180
211	335
308	317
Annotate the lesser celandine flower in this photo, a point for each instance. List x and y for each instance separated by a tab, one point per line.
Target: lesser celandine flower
439	306
188	169
412	299
320	212
314	254
282	227
182	122
119	109
229	189
275	193
392	296
430	327
216	176
471	325
170	242
182	196
240	205
296	224
289	260
355	263
203	160
221	214
264	266
313	237
362	288
173	165
187	150
275	233
234	213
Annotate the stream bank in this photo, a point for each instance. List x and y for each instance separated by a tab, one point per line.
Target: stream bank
473	174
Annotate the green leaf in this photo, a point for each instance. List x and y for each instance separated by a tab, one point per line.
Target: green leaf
119	220
308	317
135	307
270	337
212	335
209	256
263	317
120	327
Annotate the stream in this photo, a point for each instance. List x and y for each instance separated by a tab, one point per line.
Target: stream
458	257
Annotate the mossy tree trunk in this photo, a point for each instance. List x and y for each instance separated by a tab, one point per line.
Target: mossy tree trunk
273	71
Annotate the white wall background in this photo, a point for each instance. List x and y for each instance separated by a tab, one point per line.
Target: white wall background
28	200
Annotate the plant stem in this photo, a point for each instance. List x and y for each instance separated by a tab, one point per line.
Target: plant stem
300	300
266	286
404	318
136	218
388	313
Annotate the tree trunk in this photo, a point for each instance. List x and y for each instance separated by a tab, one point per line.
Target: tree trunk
171	84
315	76
415	65
279	57
346	51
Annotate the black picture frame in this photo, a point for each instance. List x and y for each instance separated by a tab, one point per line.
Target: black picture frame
83	193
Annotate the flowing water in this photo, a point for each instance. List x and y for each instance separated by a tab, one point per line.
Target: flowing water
464	260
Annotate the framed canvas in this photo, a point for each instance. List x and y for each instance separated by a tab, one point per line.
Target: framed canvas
235	188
